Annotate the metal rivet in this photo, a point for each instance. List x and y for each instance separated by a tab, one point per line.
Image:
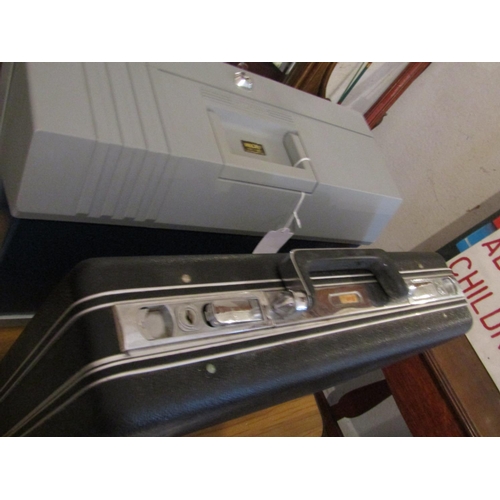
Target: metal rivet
186	278
211	368
243	81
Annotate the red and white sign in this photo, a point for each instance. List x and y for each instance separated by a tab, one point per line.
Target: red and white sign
477	269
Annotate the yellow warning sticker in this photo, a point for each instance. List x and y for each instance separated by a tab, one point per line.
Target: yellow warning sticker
253	147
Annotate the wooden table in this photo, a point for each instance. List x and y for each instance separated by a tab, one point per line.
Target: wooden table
299	417
446	392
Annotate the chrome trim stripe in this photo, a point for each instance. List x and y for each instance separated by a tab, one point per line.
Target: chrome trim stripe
444	270
15	320
119	292
172	287
305	324
44	350
424	271
4	392
85	372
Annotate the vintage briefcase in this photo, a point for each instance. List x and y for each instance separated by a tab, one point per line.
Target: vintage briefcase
169	345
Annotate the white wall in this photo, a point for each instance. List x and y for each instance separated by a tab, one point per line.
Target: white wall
441	141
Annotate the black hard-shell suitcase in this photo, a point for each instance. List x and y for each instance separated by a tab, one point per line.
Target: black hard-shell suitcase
169	345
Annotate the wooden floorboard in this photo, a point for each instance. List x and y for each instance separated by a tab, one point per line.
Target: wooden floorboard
299	417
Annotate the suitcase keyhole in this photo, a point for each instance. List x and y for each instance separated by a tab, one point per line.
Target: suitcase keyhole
190	317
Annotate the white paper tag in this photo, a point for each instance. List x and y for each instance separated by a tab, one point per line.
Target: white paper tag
273	241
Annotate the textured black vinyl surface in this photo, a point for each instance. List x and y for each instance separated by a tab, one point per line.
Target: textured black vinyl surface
177	394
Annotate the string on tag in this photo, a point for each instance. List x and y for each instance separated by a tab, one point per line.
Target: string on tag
295	213
274	240
300	161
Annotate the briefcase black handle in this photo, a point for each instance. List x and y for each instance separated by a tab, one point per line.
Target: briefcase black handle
296	268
